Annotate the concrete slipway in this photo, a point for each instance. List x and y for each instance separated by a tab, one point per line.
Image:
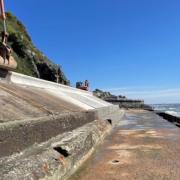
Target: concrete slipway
46	129
143	147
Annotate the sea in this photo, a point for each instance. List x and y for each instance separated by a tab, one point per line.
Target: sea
172	109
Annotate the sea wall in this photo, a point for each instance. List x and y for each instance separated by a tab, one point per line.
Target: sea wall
61	155
129	103
46	129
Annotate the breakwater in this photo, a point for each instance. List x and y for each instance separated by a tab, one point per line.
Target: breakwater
129	103
173	119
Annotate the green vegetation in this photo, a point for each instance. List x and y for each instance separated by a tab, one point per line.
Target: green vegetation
103	94
30	60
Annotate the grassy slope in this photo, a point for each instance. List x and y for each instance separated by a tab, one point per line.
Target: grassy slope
30	60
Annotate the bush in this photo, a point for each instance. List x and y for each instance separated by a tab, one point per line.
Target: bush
17	44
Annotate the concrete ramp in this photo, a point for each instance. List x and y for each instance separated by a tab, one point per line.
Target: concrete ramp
77	97
20	103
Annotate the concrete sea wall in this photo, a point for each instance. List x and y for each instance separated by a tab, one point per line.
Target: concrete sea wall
59	156
47	129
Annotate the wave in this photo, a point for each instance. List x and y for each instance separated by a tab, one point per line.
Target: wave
173	113
172	108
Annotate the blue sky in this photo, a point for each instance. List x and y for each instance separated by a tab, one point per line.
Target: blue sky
129	47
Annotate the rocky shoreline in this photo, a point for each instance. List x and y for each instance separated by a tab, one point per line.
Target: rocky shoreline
173	119
122	101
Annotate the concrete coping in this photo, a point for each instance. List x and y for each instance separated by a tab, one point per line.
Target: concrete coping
22	79
18	135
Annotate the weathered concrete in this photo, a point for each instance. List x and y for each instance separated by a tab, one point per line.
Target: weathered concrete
32	114
83	99
144	146
20	103
17	135
37	118
58	157
22	132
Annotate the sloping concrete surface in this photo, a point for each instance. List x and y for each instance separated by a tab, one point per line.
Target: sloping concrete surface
143	147
24	97
80	98
20	102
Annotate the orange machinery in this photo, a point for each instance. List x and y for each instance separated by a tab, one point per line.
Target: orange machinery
83	85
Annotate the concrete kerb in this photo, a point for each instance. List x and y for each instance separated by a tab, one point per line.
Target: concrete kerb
31	81
111	113
18	135
104	111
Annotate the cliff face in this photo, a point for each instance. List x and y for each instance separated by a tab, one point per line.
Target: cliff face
30	60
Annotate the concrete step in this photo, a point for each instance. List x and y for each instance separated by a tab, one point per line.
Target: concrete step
57	157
